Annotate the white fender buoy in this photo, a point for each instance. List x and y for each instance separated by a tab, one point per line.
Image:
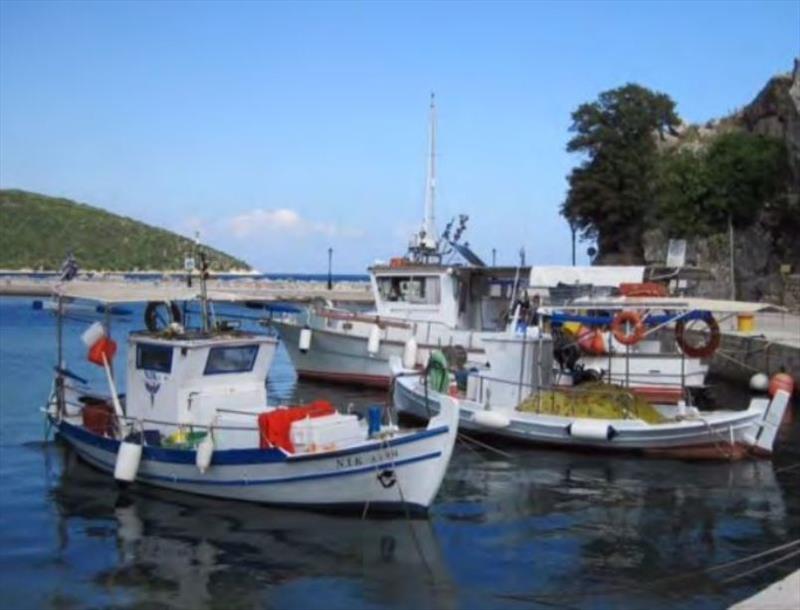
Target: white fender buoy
490	419
759	382
305	339
129	457
473	384
374	341
590	430
205	451
410	353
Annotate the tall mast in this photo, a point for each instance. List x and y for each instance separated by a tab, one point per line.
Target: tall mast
430	193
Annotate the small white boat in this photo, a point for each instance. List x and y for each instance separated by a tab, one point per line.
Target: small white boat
515	399
195	419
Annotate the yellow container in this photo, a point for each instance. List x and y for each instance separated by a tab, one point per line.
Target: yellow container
745	322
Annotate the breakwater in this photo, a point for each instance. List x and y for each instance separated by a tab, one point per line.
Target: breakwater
282	290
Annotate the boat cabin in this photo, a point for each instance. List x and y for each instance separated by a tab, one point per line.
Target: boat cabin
193	377
459	297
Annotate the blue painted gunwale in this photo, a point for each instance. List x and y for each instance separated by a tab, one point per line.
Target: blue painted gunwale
231	457
109	467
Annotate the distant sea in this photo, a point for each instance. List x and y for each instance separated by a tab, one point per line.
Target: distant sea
528	528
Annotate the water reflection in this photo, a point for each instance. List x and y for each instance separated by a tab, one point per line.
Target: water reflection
193	552
537	528
580	525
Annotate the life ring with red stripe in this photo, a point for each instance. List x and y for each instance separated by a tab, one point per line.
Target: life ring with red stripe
628	328
705	349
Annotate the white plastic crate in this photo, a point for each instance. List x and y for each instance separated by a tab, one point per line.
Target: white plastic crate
326	433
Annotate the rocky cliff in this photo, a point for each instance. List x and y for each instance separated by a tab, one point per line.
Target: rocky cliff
766	254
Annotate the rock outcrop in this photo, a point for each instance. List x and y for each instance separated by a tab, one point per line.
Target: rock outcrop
766	254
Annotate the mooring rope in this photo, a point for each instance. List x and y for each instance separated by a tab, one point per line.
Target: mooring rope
793	548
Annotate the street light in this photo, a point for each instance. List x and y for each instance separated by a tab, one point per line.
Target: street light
574	229
330	276
494	257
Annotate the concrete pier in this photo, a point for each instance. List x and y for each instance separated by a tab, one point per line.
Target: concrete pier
782	595
773	345
272	290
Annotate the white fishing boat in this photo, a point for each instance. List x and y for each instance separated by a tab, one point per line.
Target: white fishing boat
195	419
440	294
423	303
516	397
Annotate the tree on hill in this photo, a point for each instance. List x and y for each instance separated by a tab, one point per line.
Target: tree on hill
736	176
611	195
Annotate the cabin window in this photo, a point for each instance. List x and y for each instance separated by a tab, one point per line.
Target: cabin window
409	289
238	359
154	358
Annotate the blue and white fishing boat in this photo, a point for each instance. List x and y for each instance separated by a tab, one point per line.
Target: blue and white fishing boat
195	419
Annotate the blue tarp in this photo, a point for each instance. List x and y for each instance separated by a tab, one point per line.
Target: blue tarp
653	320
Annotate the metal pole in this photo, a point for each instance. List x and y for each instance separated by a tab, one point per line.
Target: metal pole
204	290
733	272
572	227
330	268
108	333
60	356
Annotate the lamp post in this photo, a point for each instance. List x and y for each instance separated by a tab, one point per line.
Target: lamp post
494	257
330	267
573	228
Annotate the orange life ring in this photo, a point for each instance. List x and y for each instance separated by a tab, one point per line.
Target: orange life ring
704	350
625	322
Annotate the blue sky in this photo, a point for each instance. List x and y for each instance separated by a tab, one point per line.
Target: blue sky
282	129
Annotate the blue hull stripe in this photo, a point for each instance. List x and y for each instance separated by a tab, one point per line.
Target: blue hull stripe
247	483
231	457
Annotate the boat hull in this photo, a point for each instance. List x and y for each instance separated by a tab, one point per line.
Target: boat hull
399	474
719	435
339	358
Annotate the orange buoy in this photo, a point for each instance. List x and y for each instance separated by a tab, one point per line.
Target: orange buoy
591	340
628	327
103	348
781	381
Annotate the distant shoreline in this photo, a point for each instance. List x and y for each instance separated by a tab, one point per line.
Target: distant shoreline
10	274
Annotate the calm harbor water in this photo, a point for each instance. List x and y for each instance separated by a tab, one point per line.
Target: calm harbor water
539	528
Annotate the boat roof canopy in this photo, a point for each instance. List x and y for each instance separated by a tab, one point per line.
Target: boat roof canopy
667	303
127	292
597	275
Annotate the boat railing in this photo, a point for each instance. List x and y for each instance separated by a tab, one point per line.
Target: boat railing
137	423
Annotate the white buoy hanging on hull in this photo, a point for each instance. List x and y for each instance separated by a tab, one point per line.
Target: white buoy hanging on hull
205	451
759	382
590	430
305	339
374	341
410	353
129	457
491	419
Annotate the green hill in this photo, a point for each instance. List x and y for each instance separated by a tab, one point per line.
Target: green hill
37	231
